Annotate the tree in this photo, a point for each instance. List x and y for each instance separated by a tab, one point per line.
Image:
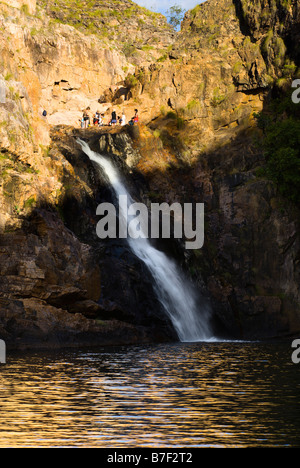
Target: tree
175	15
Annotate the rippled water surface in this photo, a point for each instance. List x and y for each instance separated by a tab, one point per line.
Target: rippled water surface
173	395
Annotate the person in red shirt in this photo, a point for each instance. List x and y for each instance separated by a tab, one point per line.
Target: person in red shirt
136	117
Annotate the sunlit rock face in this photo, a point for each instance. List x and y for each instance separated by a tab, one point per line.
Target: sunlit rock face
26	5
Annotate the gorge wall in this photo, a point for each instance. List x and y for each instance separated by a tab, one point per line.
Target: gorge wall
197	92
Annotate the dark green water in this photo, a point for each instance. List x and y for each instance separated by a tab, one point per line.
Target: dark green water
174	395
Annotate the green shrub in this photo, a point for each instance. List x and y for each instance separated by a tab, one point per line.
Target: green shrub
267	41
217	98
171	115
129	49
281	145
131	81
25	9
29	203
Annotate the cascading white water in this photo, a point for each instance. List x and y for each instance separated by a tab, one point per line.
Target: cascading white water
190	319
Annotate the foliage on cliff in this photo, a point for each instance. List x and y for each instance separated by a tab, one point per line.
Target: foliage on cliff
281	143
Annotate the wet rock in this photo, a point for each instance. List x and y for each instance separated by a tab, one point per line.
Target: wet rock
46	261
32	323
251	247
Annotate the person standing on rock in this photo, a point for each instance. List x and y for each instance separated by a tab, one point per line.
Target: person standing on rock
136	117
113	117
123	119
86	119
96	118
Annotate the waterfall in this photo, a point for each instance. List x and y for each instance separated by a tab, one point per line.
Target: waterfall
189	316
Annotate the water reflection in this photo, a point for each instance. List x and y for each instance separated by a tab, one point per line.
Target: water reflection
185	395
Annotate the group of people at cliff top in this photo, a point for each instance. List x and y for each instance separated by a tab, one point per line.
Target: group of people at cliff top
99	119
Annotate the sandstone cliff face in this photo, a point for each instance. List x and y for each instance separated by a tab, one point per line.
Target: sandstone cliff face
252	244
140	34
44	66
221	67
196	92
61	68
28	6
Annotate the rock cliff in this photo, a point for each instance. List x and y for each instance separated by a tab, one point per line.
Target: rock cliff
197	92
228	63
137	32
